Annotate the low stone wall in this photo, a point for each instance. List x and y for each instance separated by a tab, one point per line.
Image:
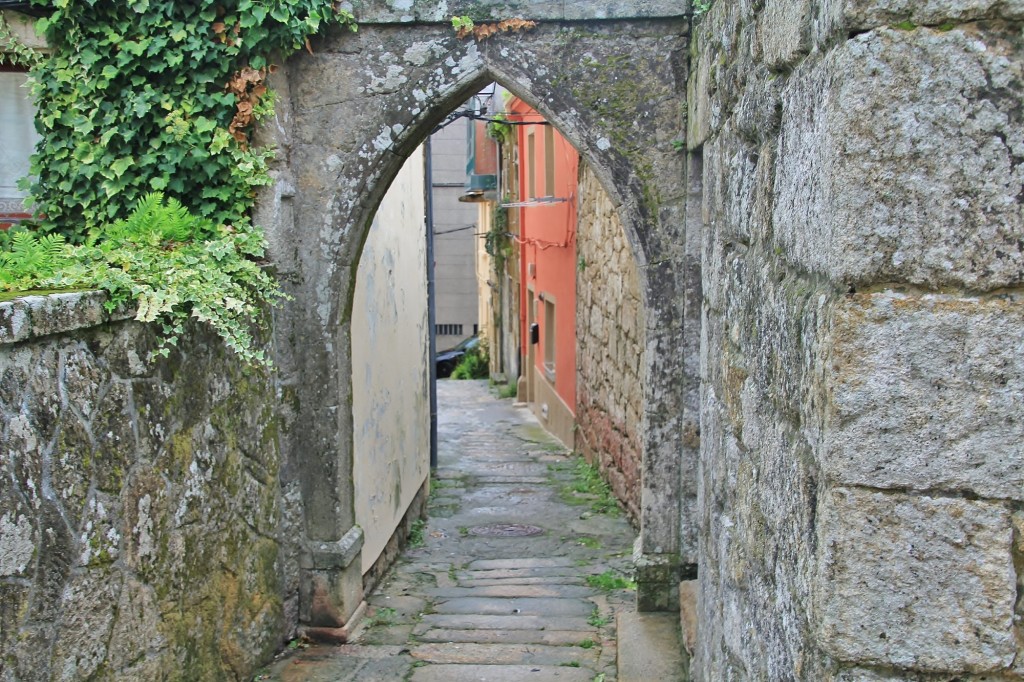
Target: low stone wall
140	509
861	463
609	350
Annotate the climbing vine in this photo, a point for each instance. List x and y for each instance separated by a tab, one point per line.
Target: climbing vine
13	52
496	241
156	95
499	129
145	175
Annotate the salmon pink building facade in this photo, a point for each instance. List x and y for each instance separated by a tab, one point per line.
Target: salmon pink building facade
546	204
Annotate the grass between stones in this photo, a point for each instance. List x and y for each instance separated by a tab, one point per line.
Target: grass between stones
585	487
610	580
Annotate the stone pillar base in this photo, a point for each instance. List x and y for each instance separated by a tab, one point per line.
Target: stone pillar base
331	582
657	581
342	635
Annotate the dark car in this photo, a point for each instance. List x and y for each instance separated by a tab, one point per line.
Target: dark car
448	360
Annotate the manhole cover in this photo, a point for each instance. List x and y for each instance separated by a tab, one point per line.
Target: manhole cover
506	530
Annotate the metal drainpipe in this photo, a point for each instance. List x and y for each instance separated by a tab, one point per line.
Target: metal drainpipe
431	302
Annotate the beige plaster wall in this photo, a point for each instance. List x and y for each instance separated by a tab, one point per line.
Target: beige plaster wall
390	374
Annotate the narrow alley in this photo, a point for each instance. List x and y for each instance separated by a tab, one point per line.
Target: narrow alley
518	573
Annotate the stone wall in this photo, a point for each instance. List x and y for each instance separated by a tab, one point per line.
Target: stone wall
140	509
861	466
609	345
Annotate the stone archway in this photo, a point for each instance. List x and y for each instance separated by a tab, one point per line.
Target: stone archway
354	110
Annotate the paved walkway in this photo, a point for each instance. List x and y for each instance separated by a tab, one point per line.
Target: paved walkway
475	603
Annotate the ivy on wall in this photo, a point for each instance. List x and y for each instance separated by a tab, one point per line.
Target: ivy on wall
12	51
157	95
144	176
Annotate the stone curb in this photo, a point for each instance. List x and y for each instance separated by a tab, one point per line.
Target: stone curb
34	316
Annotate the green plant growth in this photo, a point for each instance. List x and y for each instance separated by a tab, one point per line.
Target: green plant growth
499	129
610	581
595	619
473	365
416	537
463	24
14	52
384	617
156	95
701	7
170	264
588	488
588	542
587	644
496	242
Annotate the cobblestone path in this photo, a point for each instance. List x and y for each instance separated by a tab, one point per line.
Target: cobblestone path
475	602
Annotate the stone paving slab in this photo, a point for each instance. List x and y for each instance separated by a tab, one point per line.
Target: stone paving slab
544	580
489	622
504	654
552	637
543	572
516	590
501	673
462	607
496	606
553	562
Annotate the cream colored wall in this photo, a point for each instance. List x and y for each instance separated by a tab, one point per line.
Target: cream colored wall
390	374
484	275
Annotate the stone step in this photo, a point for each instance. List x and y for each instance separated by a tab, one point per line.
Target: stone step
650	647
497	606
501	673
512	591
537	562
505	654
477	622
552	637
542	580
539	572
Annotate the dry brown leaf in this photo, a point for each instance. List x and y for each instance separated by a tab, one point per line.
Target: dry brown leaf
484	31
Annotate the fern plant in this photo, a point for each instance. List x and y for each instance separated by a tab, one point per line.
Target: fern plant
32	257
167	262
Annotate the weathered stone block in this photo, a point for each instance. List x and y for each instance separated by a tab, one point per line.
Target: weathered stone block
329	598
899	160
784	28
89	606
852	16
406	11
17	539
36	316
71	466
867	675
136	629
14	602
926	394
56	557
918	583
723	54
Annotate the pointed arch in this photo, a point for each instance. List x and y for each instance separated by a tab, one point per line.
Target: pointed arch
608	88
